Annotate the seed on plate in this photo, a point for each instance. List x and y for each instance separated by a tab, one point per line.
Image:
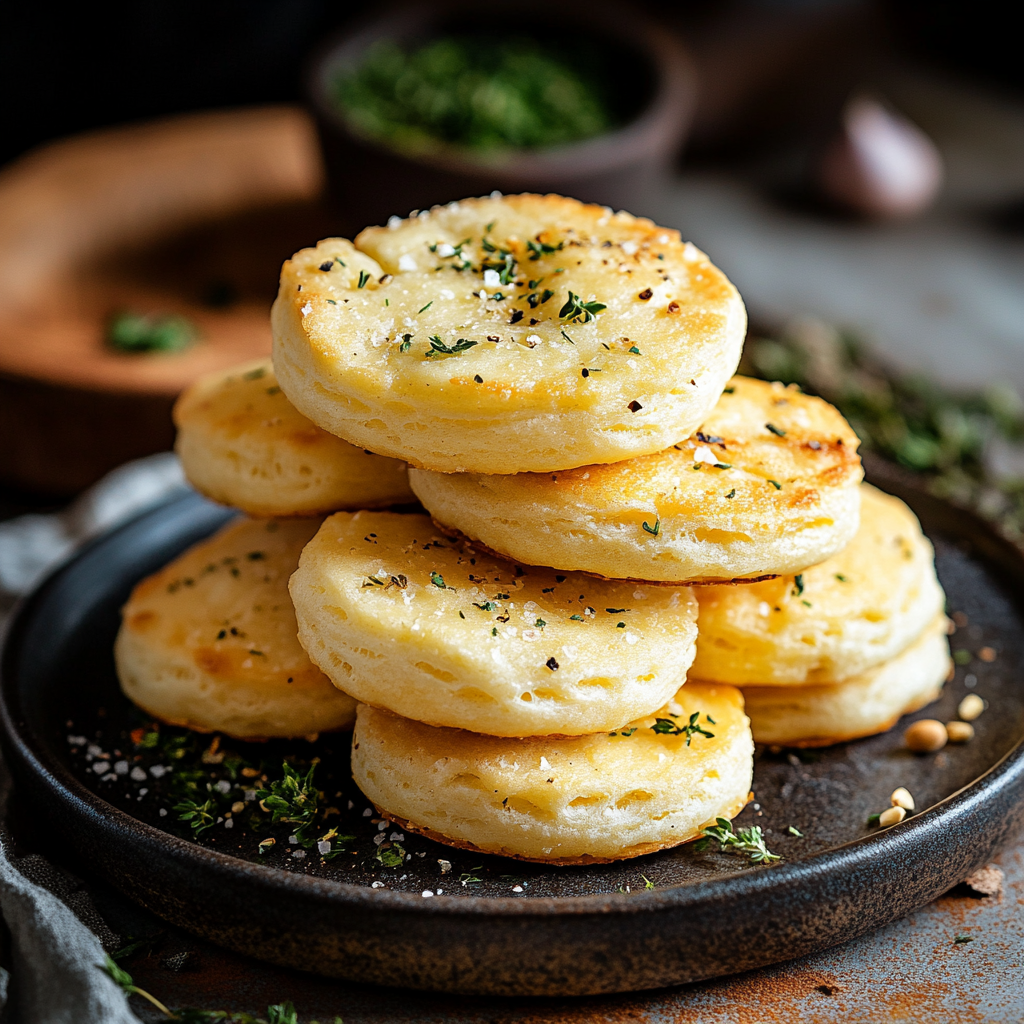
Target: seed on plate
891	816
901	798
960	732
926	736
237	806
987	654
970	707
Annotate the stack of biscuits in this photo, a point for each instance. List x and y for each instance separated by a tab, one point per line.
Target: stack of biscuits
609	510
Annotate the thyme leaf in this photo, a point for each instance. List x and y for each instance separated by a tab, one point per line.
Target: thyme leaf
576	310
747	840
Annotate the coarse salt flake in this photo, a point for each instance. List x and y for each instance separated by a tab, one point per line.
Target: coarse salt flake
100	767
705	454
444	250
533	339
691	253
517	888
492	279
121	768
764	609
545	766
426	893
307	309
394	222
629	248
324	846
299	854
157	771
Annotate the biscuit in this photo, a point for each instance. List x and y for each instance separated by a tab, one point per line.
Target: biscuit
572	800
451	340
242	443
768	485
403	619
835	620
869	703
209	642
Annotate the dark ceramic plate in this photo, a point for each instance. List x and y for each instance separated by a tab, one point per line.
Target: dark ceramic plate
517	929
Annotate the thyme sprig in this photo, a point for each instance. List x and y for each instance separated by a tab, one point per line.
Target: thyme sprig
666	727
293	800
576	310
277	1013
438	347
747	840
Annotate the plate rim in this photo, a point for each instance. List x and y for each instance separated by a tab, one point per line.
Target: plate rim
904	838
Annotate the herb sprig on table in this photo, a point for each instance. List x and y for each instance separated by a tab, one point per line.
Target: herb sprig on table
277	1013
745	840
969	444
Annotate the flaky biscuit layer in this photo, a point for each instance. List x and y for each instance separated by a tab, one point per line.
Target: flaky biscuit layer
768	485
568	800
815	716
209	641
404	619
445	339
835	620
242	443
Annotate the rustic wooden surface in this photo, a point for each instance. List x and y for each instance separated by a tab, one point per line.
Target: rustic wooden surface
189	216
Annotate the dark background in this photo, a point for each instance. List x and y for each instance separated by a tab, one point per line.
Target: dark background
74	67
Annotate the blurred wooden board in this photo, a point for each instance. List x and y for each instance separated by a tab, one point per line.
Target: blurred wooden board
191	216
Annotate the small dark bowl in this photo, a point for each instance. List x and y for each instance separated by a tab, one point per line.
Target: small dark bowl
370	180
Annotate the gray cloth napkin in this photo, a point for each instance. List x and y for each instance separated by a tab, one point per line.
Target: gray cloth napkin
57	961
56	948
33	544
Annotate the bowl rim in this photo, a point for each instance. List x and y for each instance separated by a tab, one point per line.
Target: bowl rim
666	116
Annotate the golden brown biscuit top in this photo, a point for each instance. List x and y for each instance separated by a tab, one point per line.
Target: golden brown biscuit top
764	448
534	300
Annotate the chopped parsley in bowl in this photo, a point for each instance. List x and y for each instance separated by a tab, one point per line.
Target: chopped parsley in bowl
477	91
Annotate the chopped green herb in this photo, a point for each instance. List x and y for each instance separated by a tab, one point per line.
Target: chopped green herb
363	278
576	310
666	727
134	332
423	309
406	342
776	484
652	530
538	249
292	800
732	493
798	584
775	430
635	350
199	817
540	624
438	347
483	90
842	578
575	618
438	580
963	938
571	342
648	884
747	840
873	819
794	831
